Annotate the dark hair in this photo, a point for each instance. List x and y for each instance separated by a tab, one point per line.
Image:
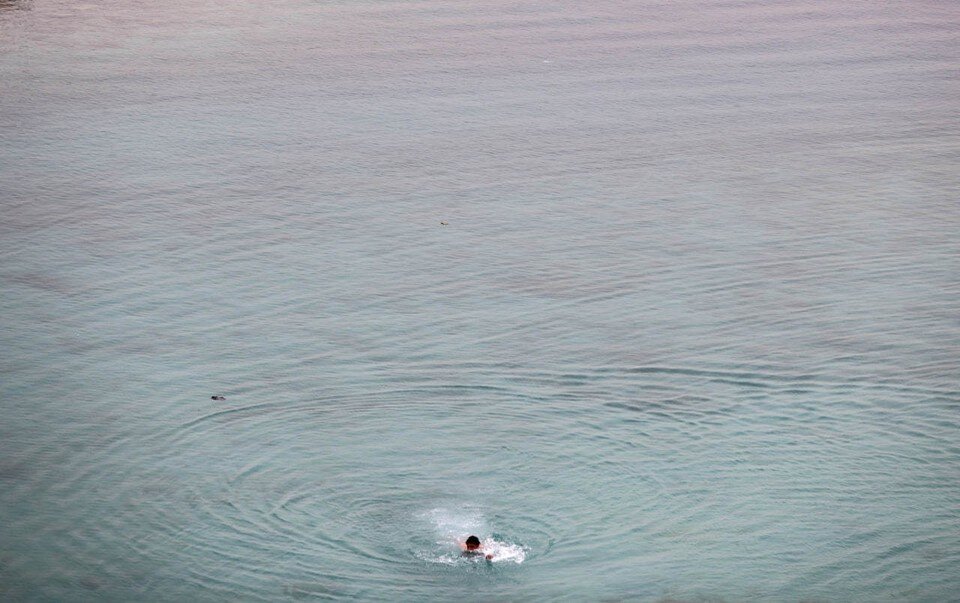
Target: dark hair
473	540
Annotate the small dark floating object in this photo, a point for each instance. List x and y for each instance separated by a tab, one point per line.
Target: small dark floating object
220	398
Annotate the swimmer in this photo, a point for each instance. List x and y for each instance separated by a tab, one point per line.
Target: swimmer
473	547
218	398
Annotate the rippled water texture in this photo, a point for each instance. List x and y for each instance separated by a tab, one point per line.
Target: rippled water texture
690	331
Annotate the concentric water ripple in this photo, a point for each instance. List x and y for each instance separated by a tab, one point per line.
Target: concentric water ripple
658	298
789	475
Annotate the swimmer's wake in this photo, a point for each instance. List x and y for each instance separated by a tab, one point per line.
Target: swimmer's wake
452	547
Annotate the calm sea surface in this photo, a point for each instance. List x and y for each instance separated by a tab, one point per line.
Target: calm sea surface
660	298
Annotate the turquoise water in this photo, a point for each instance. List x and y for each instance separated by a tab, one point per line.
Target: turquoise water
689	332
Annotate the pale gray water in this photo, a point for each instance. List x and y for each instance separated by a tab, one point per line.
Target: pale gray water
692	330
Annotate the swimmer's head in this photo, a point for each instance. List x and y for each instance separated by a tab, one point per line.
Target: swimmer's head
473	543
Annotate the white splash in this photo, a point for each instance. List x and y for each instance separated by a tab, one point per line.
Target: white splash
503	551
453	525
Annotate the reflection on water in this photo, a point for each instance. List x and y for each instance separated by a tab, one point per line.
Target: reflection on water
688	331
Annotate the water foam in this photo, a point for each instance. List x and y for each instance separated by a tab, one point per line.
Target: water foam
451	526
504	551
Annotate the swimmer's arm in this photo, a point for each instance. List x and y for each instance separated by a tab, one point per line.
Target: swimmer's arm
463	547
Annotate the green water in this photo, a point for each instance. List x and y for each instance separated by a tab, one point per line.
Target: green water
689	331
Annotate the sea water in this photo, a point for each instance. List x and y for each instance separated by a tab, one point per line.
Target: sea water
658	298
